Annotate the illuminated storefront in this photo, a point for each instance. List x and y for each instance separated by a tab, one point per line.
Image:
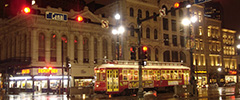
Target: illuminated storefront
231	77
201	77
38	79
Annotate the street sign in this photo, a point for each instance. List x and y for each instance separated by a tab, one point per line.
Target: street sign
105	24
56	16
201	1
162	12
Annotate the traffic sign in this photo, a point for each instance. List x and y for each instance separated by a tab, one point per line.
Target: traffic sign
56	16
162	12
201	1
105	24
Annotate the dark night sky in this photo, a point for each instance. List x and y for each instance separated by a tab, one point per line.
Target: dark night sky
231	18
231	11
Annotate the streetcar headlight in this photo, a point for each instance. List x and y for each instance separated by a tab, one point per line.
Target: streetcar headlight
97	85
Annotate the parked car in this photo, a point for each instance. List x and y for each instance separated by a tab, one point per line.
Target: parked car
212	85
230	84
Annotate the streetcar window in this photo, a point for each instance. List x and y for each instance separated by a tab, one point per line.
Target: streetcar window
145	75
130	75
150	75
175	74
135	74
157	75
163	75
179	74
168	75
98	76
124	74
103	76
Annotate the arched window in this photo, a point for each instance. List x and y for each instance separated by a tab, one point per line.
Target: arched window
131	12
166	56
156	54
147	14
173	12
149	54
41	47
105	49
76	43
182	57
180	13
139	13
155	18
53	48
132	31
175	56
155	34
95	50
64	44
114	52
85	50
148	33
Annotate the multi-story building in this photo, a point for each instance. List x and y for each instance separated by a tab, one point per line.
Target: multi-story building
213	10
32	43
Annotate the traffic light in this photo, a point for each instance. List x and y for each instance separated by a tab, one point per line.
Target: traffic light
82	19
26	10
144	52
133	53
183	4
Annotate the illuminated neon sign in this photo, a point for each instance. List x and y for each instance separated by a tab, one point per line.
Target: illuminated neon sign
233	72
47	70
25	71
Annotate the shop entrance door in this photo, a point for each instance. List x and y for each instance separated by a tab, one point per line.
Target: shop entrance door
112	80
38	86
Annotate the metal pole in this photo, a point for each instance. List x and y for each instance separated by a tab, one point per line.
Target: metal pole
140	88
193	82
62	71
68	91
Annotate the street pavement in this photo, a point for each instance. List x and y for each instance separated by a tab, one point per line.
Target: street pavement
218	93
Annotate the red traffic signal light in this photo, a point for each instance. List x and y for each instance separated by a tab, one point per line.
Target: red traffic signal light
144	48
176	5
26	10
79	18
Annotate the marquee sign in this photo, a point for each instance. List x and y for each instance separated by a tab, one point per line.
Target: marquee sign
25	71
52	71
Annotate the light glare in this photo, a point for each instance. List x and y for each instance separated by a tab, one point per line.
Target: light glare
117	16
186	22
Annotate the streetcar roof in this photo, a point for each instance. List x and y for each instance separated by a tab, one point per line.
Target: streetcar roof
148	66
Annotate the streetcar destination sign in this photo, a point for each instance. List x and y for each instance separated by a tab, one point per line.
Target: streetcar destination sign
56	16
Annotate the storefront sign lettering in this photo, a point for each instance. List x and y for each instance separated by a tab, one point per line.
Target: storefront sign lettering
201	72
25	71
145	84
47	70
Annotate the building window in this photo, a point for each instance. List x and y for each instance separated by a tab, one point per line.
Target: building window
174	39
53	48
105	49
147	14
200	30
174	56
155	34
180	13
181	28
139	13
149	54
165	24
174	25
132	31
114	52
131	12
200	17
64	44
166	56
182	57
173	12
85	50
95	51
41	47
156	54
154	18
76	49
166	39
182	39
148	33
209	31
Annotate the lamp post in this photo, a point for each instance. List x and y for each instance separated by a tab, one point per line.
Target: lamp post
120	30
187	22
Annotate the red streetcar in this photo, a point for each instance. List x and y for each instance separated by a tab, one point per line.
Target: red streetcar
121	77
